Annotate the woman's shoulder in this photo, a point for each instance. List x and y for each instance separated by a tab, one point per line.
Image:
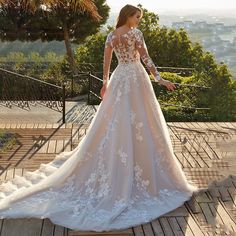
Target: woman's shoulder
135	30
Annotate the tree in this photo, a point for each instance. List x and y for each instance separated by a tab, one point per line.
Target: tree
70	21
169	47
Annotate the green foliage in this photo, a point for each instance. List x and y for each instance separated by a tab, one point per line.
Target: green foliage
7	141
92	51
48	23
168	48
20	62
171	48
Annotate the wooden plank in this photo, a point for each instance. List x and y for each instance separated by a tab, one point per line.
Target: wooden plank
66	232
81	133
63	126
69	125
190	159
138	231
44	147
7	126
2	126
147	229
42	126
166	226
24	227
58	230
203	197
3	176
59	146
49	126
215	213
47	228
35	125
1	223
195	228
10	174
30	125
184	226
207	213
13	126
183	160
18	172
175	226
225	216
67	144
193	205
157	228
225	196
23	126
127	232
180	211
232	192
51	146
18	125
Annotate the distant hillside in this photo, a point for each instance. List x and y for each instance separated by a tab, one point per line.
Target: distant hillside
38	46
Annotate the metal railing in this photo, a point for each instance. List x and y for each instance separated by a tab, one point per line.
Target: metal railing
24	91
95	85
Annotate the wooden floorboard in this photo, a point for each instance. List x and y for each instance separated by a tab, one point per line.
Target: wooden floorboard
205	150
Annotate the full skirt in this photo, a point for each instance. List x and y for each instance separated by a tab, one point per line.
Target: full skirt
122	173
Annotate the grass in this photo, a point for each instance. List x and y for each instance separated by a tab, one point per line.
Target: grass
7	141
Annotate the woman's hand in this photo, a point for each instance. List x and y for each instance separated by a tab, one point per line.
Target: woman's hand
103	89
170	86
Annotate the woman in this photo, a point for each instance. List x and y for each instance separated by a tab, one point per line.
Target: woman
128	20
123	172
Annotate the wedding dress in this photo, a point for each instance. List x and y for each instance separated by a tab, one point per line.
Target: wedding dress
123	172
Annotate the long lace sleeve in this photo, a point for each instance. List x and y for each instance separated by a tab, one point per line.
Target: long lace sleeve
143	51
108	49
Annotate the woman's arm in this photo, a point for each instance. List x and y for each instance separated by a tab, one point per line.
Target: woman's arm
108	49
143	51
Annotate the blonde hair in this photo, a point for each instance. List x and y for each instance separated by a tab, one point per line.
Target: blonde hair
125	12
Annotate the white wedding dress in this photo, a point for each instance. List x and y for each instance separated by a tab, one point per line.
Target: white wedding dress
123	172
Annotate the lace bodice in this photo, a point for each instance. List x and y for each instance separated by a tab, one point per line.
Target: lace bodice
124	46
128	48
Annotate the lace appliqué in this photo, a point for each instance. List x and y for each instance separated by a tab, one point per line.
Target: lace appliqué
123	156
138	126
108	42
140	183
143	51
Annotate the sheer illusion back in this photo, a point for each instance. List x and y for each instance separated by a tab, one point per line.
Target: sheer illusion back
130	47
123	172
124	46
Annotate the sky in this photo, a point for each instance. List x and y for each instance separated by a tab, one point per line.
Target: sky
173	5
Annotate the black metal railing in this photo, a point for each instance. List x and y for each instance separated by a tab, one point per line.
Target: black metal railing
182	71
24	91
83	68
95	84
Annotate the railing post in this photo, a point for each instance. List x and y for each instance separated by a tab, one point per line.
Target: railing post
72	85
89	77
63	103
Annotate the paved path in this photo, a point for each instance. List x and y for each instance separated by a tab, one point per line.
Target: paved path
76	112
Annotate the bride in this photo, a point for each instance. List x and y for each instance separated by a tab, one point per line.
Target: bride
123	172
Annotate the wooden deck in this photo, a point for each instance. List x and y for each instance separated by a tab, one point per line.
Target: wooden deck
206	151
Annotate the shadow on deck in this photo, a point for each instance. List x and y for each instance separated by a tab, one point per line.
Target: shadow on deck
206	151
